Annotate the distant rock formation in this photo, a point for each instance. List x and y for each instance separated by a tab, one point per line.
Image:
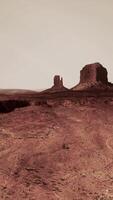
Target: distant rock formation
57	85
93	73
58	82
93	76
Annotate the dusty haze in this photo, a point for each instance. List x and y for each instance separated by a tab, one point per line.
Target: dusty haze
40	38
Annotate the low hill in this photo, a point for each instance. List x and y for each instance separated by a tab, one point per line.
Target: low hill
16	91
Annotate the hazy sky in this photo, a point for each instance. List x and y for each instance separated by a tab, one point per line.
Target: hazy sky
40	38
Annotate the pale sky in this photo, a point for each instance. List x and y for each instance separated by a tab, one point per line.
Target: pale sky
41	38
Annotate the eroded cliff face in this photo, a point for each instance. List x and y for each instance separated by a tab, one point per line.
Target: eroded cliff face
93	76
93	73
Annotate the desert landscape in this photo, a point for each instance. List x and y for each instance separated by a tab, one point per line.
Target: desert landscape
57	144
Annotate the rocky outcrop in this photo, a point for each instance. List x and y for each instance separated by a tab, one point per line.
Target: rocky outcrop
93	73
57	85
58	82
92	76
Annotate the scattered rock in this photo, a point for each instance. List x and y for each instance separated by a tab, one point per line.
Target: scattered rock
65	146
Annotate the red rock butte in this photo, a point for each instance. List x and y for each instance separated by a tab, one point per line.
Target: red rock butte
57	85
58	82
93	73
93	76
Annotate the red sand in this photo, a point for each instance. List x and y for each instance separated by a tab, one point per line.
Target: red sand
64	152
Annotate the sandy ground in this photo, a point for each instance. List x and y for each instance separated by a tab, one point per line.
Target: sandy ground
63	152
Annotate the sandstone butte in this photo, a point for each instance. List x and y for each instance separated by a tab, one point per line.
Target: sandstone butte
92	76
58	144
